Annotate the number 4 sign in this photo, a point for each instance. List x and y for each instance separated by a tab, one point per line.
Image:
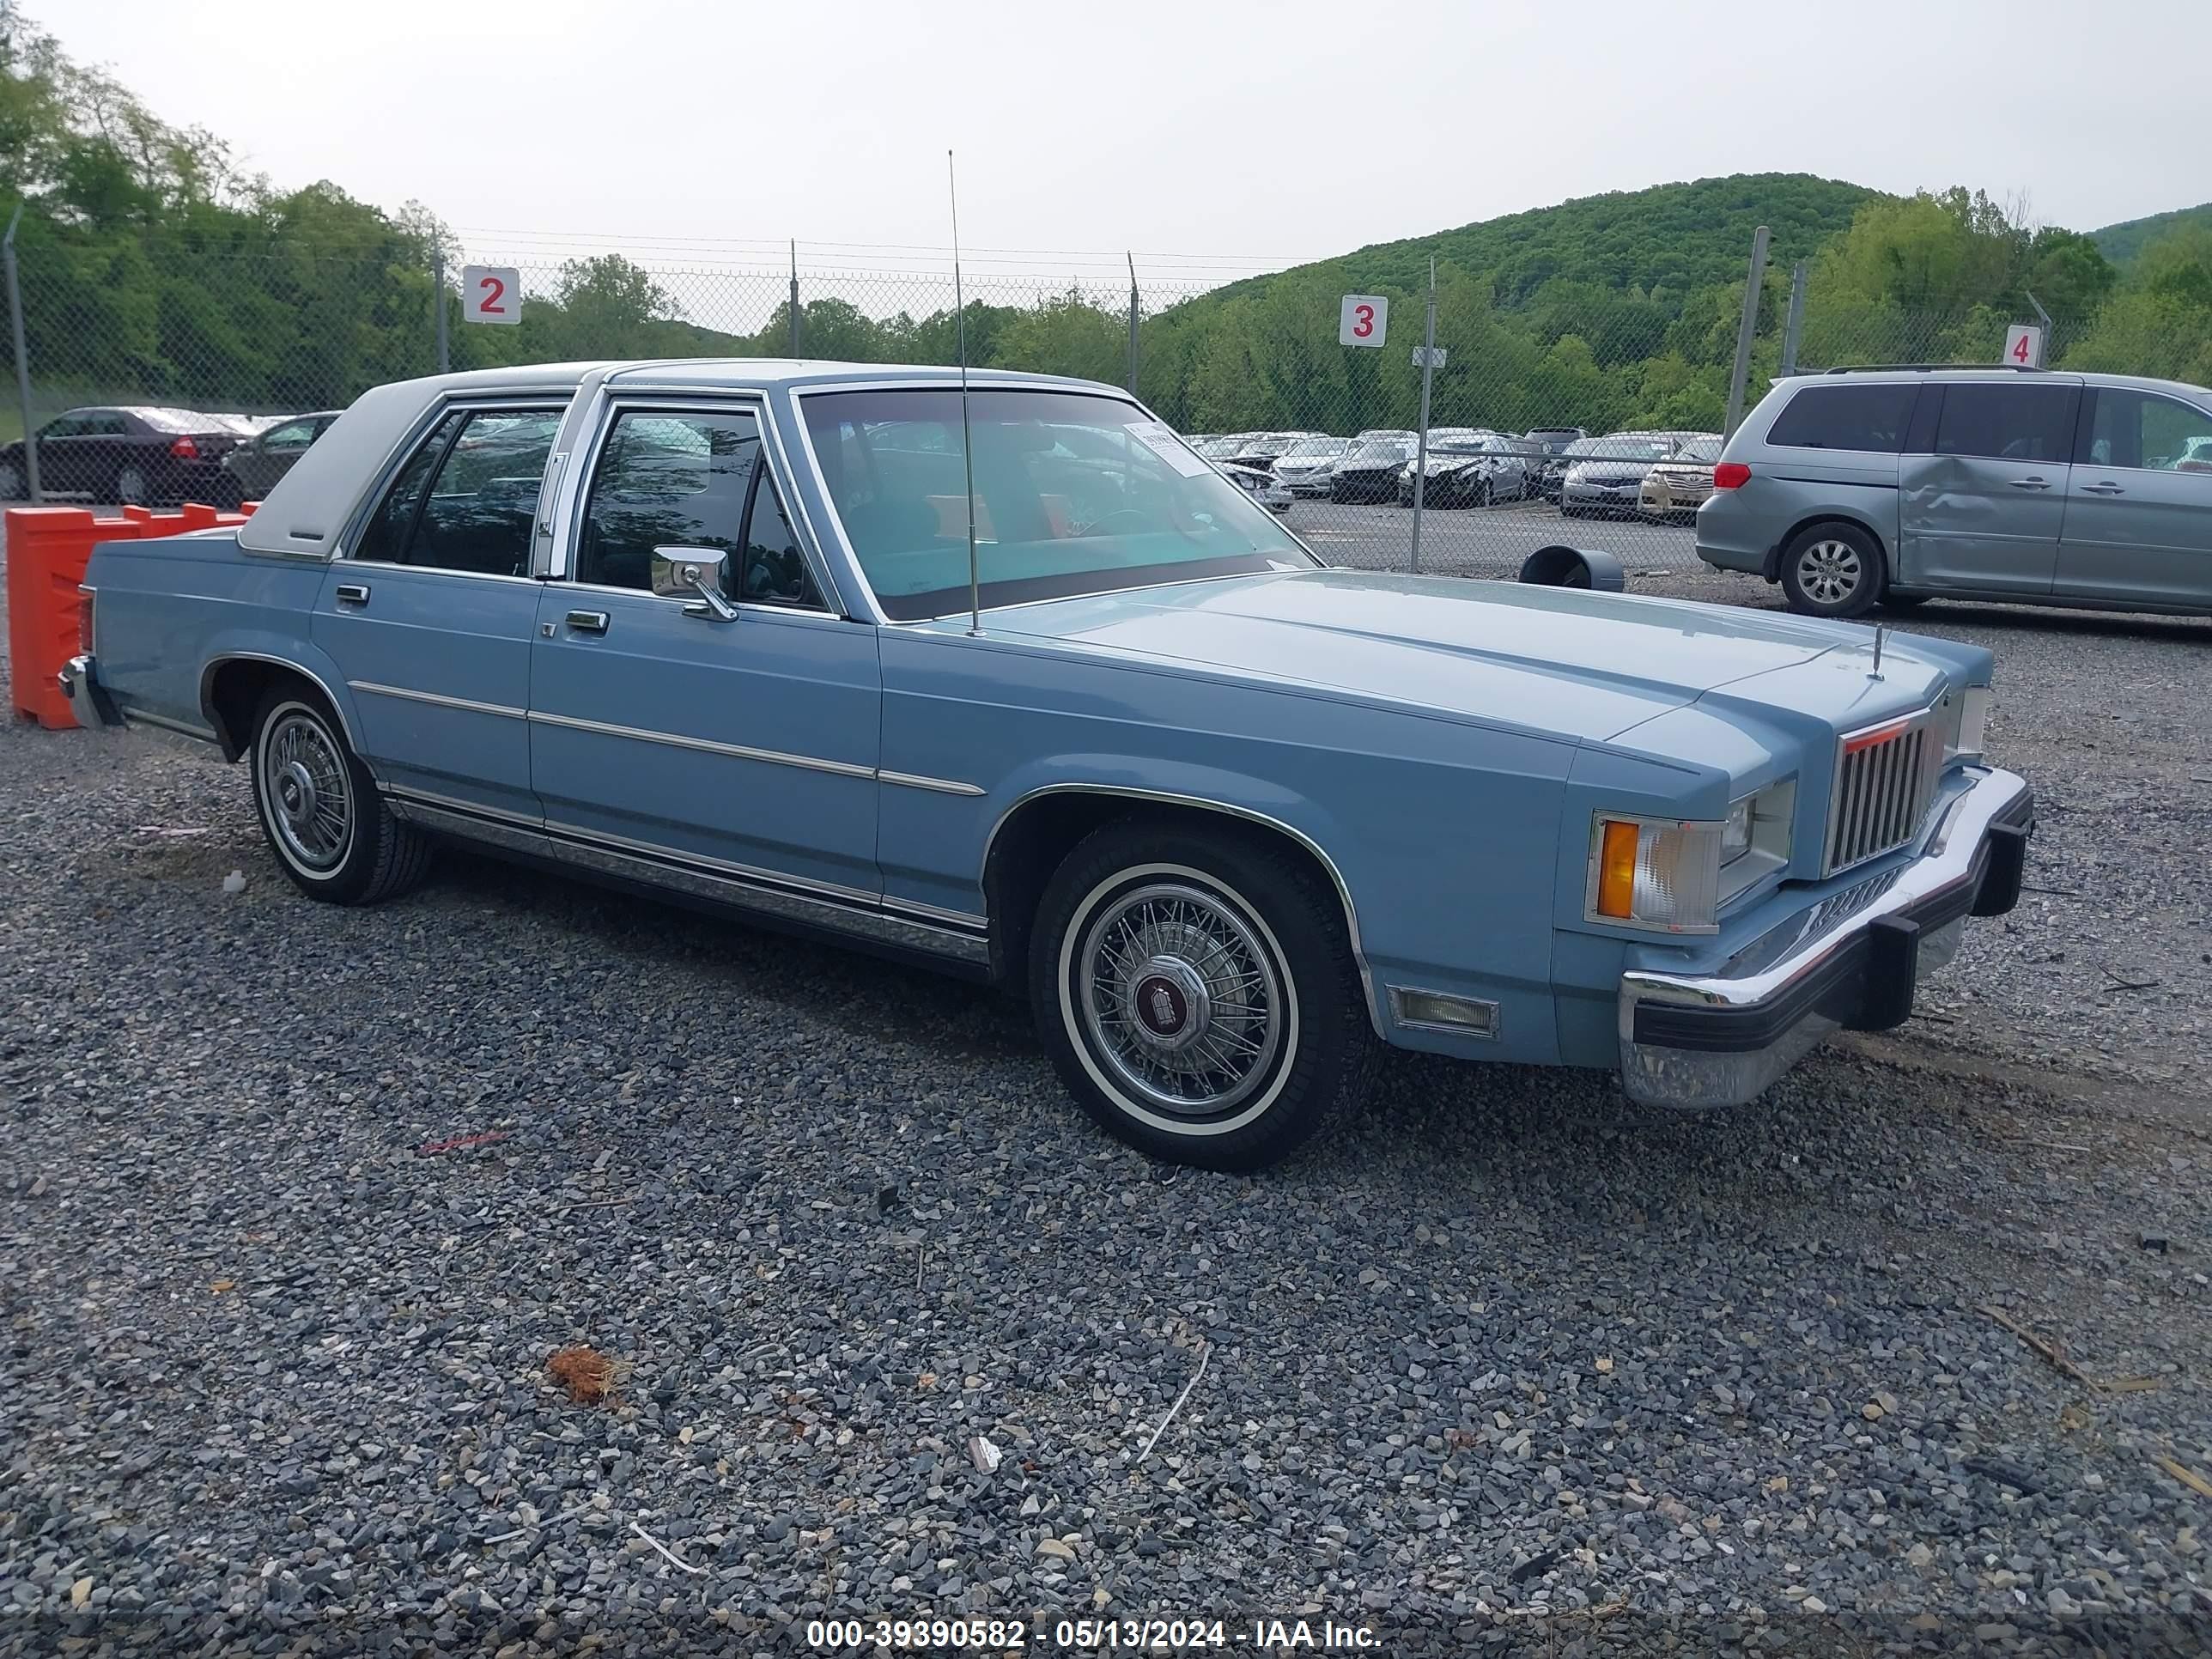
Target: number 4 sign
2023	347
1362	320
491	294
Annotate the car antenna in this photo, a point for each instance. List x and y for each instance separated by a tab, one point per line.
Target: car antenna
1874	673
967	447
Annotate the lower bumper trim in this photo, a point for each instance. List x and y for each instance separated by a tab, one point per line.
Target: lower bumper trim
1854	962
89	704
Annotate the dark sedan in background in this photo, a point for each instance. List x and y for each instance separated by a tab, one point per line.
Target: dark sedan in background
135	454
1369	472
251	470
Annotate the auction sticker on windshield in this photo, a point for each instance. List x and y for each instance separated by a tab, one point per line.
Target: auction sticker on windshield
1155	437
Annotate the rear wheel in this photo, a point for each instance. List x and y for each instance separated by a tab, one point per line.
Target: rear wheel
11	482
1198	994
131	487
319	809
1832	570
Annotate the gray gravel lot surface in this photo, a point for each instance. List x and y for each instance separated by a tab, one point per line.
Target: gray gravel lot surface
275	1374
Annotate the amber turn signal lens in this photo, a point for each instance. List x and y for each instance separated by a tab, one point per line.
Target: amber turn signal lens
1616	870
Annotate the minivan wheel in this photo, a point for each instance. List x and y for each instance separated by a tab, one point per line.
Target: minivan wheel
1198	995
1832	570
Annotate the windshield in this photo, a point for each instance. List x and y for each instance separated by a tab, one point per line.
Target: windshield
1699	449
1074	494
1316	447
1383	449
1621	448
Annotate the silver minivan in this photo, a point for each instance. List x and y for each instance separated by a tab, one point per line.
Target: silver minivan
1862	486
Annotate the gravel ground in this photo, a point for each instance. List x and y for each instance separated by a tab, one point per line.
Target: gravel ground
1511	1368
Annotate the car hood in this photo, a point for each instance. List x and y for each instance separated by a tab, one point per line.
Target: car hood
1564	662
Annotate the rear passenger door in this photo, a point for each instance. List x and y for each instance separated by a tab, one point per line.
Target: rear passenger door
429	615
2139	504
1982	506
683	746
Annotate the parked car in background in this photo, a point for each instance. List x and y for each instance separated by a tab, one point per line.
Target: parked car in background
251	470
1604	476
1546	468
1864	487
1261	485
1468	467
1370	469
1306	467
1229	820
129	453
1674	489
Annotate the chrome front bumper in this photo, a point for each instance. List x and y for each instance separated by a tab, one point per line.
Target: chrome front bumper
80	684
1851	961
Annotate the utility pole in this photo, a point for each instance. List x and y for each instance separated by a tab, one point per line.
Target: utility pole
438	291
794	296
22	361
1421	439
1745	330
1132	325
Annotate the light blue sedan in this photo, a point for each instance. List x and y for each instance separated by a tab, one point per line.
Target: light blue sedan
1230	818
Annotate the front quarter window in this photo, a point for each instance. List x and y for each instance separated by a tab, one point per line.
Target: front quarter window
1074	492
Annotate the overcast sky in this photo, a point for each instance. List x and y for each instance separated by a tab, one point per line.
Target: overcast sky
1236	135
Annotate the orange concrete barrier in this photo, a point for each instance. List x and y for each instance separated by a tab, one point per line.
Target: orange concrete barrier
48	547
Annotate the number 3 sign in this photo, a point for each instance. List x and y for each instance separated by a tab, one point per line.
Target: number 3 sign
491	294
1363	319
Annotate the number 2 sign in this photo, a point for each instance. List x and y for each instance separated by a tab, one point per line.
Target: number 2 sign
491	294
1362	320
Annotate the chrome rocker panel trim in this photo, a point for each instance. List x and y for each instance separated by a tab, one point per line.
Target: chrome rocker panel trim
821	909
1805	956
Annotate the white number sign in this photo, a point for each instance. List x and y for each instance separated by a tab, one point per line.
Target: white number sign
2024	346
1362	320
491	294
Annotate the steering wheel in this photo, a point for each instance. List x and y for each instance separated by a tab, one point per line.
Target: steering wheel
1104	526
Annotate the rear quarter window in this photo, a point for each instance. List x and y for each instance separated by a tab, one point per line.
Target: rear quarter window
1872	416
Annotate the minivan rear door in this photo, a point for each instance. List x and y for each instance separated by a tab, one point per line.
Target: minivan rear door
2139	506
1981	510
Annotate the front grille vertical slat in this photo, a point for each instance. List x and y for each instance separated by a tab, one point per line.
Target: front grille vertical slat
1885	781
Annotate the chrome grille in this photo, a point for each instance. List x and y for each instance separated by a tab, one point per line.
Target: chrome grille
1884	778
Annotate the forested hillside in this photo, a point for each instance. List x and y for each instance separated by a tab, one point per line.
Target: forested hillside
2124	243
154	268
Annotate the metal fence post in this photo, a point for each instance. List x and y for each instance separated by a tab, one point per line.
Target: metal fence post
1793	329
794	296
2050	330
1745	330
438	294
1132	325
23	360
1421	439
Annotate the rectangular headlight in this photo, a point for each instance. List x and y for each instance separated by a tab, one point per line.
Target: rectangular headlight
1973	722
1659	873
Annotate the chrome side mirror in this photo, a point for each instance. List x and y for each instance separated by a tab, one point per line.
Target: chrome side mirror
680	572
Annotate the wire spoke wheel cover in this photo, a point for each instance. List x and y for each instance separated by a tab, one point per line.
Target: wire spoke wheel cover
1182	998
308	789
1830	571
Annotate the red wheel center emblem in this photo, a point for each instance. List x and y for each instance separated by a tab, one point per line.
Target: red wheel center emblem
1162	1005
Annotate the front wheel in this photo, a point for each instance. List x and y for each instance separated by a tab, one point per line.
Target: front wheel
11	482
1832	570
1197	992
319	809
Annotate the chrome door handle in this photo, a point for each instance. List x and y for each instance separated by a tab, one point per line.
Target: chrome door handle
352	593
2028	483
588	621
2105	487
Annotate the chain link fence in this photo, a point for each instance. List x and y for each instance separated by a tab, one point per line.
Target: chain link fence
146	367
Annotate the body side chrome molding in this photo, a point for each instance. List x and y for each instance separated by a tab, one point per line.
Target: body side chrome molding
706	745
1167	798
471	705
941	785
